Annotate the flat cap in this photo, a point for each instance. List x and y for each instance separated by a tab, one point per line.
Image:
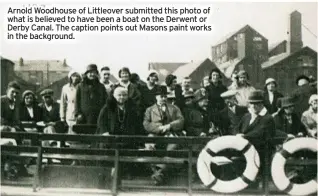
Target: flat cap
46	92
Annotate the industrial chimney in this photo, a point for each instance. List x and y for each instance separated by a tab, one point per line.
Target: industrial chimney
295	42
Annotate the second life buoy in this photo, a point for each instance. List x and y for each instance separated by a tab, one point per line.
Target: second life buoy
278	164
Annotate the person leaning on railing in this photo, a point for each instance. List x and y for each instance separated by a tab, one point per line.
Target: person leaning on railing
257	126
162	119
119	117
50	115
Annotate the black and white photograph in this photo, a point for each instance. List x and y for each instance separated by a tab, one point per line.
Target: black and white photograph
158	98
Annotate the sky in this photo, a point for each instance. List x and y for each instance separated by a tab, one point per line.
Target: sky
137	50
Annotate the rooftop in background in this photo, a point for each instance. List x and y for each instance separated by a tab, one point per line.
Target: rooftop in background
164	68
41	65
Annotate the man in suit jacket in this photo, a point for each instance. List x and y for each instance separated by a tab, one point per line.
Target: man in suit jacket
257	126
163	119
229	118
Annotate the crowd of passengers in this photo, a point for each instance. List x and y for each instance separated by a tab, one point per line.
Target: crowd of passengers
134	107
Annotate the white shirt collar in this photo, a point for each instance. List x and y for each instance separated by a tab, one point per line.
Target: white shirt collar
124	85
263	112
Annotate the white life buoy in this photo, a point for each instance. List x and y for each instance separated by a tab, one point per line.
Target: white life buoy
278	164
225	142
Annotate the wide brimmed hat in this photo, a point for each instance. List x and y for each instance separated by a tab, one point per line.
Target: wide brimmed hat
269	80
228	94
287	102
47	92
256	96
91	67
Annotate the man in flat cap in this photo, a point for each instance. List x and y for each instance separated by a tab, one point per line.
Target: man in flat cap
229	118
163	119
50	113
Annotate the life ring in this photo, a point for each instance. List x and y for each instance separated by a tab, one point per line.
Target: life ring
228	142
278	164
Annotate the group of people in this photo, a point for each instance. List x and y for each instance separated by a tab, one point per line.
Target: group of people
133	107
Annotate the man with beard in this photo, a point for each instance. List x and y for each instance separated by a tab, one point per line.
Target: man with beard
105	80
90	97
309	117
162	119
68	96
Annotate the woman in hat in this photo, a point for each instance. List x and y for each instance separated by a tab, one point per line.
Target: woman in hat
309	117
90	97
287	121
271	95
30	112
68	97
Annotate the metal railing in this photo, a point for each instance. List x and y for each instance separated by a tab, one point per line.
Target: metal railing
117	155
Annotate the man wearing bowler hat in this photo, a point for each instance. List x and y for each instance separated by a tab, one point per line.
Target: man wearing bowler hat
257	126
162	119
